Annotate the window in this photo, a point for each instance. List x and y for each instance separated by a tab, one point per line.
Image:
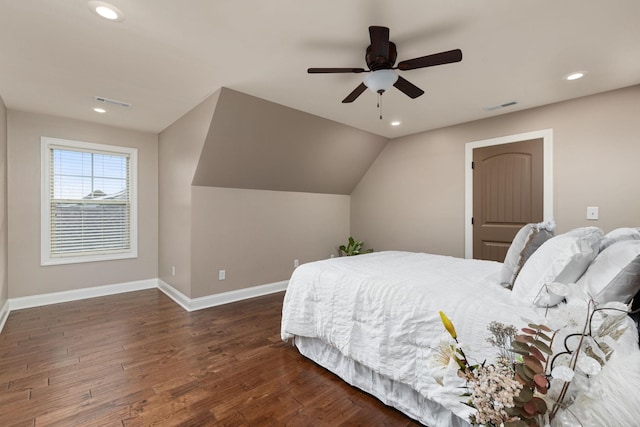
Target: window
88	202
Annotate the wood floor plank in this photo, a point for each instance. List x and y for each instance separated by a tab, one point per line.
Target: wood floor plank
138	359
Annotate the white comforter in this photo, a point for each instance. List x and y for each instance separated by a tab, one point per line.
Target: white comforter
381	310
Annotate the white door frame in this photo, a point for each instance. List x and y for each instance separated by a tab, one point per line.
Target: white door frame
547	204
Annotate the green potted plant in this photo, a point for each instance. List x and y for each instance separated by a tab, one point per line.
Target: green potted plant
354	247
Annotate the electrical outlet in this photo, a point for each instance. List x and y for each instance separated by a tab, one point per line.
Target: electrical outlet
295	263
592	213
222	274
173	270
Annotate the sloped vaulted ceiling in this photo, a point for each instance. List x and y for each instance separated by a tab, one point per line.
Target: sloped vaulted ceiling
257	144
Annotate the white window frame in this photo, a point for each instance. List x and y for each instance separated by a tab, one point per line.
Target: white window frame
47	144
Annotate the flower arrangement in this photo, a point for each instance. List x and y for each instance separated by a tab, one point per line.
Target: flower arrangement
529	384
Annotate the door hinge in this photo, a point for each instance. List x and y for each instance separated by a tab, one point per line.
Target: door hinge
471	220
473	165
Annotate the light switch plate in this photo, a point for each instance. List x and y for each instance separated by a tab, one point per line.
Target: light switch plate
592	212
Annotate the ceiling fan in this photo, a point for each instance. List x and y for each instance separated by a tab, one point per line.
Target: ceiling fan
380	57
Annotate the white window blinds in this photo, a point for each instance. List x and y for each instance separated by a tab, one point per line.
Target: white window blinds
89	203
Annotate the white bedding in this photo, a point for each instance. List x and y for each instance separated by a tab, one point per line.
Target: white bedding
345	302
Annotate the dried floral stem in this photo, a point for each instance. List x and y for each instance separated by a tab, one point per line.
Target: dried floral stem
573	361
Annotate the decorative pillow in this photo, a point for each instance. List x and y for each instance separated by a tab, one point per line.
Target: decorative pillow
619	235
528	239
563	258
615	273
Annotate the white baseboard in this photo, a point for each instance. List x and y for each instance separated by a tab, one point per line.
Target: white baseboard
178	297
221	298
78	294
99	291
4	314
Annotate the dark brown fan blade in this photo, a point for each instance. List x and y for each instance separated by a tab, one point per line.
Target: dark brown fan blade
335	70
356	93
379	42
408	88
431	60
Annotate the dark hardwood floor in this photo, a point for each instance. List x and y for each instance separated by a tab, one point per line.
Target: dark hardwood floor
139	359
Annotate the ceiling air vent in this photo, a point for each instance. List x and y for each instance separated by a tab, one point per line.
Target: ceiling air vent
505	105
112	102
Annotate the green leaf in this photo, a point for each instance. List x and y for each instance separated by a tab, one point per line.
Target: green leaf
543	347
544	336
526	376
524	338
519	347
537	354
525	395
533	364
541	327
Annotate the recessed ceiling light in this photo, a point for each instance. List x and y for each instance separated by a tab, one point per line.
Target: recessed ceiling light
99	110
106	10
395	123
575	76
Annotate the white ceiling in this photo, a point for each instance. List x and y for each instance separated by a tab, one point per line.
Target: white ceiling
169	55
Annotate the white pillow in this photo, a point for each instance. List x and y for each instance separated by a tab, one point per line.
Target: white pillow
615	273
563	258
619	235
528	239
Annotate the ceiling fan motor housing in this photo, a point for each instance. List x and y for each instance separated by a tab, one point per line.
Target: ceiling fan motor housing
379	62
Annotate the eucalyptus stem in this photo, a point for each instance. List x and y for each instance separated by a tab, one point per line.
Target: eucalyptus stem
573	362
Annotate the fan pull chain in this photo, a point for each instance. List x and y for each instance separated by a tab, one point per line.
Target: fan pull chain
380	103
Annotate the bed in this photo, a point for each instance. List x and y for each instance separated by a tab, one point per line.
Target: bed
374	319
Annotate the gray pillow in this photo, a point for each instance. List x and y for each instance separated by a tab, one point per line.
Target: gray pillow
528	239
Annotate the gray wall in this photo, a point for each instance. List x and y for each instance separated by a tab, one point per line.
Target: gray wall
179	149
257	144
4	274
26	276
412	197
253	234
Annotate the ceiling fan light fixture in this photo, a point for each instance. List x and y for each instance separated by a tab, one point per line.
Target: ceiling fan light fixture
380	80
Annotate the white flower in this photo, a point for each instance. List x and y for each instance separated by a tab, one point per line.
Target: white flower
492	391
588	365
559	289
442	358
563	373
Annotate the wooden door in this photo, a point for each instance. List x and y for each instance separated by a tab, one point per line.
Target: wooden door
507	194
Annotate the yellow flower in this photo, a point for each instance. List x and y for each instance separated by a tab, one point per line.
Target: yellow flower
448	325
